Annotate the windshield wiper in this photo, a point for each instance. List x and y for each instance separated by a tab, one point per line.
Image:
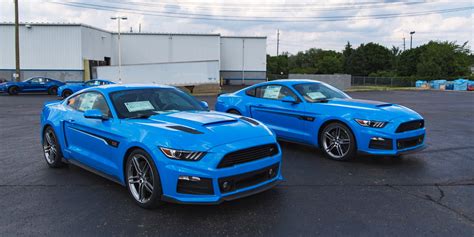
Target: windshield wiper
321	100
141	116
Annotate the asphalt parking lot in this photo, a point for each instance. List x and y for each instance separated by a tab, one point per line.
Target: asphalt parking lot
426	193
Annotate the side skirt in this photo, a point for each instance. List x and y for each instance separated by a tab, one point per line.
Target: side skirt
92	170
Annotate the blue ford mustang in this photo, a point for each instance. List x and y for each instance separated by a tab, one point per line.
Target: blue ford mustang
315	113
161	144
71	88
34	84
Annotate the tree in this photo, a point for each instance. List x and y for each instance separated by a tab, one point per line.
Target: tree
368	58
443	60
346	54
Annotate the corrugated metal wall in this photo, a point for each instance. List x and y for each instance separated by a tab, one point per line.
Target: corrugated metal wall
157	48
42	47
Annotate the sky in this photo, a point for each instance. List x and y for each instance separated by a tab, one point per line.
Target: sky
302	24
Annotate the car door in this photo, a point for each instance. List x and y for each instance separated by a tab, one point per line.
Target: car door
286	119
34	84
92	142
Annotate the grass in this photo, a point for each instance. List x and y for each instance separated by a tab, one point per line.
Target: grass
381	88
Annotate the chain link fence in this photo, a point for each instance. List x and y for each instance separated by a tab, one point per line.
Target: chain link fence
383	81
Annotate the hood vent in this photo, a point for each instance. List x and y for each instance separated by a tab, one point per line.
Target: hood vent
250	120
384	105
185	129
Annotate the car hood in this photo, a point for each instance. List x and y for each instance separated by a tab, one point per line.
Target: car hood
197	130
369	109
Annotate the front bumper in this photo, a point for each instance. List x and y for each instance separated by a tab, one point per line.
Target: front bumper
364	136
247	176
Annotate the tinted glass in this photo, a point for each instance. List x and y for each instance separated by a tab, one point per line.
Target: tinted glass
250	92
275	92
89	100
147	102
312	92
93	83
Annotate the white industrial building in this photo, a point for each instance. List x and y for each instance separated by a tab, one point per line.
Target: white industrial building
71	52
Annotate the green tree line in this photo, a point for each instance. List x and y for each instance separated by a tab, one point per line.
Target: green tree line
434	60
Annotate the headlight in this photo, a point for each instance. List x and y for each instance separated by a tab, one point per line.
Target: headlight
182	155
371	123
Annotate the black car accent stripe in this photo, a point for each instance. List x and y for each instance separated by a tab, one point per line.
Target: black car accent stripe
298	116
106	140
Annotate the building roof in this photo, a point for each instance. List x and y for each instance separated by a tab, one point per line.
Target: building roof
126	33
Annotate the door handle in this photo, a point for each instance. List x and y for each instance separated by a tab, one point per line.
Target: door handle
71	120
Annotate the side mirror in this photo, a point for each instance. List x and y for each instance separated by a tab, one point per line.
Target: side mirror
205	104
289	99
94	114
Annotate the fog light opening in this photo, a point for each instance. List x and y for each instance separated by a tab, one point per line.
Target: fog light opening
226	186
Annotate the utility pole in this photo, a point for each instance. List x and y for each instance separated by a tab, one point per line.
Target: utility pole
119	18
411	38
17	44
140	28
278	41
403	43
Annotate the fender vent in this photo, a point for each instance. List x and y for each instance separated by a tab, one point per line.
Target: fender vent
250	120
185	129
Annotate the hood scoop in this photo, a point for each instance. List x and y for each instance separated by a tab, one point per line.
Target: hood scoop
184	129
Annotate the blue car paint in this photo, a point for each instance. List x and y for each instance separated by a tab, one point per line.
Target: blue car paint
301	122
221	133
75	87
30	86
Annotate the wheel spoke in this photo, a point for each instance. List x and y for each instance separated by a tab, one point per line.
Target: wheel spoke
133	179
49	139
136	164
145	168
148	186
329	135
339	150
344	141
141	191
330	147
338	132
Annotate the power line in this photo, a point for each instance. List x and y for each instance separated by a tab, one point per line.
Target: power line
257	8
260	19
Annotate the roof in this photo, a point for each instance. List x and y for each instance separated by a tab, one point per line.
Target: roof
121	87
125	33
290	81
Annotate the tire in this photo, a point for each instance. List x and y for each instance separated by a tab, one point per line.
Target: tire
51	149
233	111
66	93
13	90
53	90
143	184
338	142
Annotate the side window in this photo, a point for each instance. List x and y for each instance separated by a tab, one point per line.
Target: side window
251	92
74	101
88	101
274	92
34	80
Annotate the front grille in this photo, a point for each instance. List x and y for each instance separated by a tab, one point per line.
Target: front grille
203	186
248	154
231	183
410	142
412	125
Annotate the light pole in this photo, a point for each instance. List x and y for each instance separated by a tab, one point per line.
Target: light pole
119	18
16	75
411	38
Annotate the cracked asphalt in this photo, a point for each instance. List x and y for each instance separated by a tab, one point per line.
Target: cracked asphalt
426	193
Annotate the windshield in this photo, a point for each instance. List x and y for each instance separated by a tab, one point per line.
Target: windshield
142	103
313	92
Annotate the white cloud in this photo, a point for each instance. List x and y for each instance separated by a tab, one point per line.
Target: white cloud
295	36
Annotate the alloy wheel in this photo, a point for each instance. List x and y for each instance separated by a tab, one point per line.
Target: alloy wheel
336	142
49	147
140	178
